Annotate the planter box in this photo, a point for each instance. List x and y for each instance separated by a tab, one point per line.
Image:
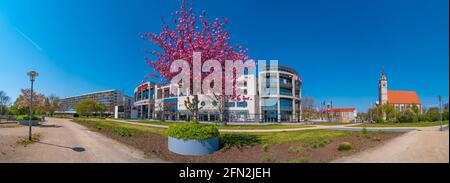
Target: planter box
26	123
193	147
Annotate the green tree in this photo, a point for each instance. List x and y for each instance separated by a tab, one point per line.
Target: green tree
433	114
389	111
88	107
408	116
445	114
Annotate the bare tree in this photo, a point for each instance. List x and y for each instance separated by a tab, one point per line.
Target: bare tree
4	100
308	106
193	106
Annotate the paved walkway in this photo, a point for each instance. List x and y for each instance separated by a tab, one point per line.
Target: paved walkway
63	141
425	145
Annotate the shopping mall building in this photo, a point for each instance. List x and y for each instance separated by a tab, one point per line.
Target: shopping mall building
273	95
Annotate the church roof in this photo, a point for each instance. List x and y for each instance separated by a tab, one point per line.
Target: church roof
402	97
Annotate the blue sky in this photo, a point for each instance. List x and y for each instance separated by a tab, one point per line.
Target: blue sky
338	47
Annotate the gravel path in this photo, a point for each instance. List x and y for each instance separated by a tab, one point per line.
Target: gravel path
426	145
63	141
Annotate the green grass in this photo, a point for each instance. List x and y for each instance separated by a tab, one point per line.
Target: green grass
407	124
166	123
231	127
311	138
118	127
261	127
331	123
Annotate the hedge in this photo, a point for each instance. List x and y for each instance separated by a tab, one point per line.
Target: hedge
26	117
193	130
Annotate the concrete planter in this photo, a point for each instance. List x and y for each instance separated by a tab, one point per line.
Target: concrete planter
193	147
26	122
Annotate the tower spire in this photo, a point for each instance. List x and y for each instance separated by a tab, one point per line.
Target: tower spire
383	76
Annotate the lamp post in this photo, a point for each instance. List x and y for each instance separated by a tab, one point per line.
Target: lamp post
32	75
440	110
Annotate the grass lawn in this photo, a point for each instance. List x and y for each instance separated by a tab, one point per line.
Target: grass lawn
294	146
228	138
232	127
406	124
306	136
98	124
331	123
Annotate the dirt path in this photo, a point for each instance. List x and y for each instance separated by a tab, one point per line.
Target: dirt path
65	141
427	145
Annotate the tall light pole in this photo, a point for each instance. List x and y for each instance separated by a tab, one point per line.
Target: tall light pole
32	75
440	110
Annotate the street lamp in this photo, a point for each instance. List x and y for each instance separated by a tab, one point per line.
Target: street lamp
32	75
440	110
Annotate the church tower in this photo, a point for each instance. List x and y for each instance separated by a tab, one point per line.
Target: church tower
382	89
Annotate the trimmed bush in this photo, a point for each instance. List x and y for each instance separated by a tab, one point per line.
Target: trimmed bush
345	146
293	150
266	147
26	117
193	130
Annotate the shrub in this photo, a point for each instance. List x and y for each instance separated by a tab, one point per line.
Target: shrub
293	150
317	143
379	120
423	118
193	130
300	160
266	147
407	116
345	146
364	131
124	132
26	117
269	159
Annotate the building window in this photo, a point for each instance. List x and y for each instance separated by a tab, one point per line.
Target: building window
230	104
285	104
285	91
242	104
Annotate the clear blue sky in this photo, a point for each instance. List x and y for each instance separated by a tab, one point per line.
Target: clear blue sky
338	47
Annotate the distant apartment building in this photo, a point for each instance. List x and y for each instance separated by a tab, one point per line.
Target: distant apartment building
273	95
401	100
343	115
117	103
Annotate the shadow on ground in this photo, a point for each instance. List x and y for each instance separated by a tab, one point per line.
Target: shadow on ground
76	149
49	126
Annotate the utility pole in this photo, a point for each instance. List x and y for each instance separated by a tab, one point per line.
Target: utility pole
440	111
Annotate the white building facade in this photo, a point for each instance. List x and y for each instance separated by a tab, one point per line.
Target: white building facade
278	103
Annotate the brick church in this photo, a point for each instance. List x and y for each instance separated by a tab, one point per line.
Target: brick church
401	100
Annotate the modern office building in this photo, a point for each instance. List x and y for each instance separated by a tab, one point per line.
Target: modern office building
117	103
272	95
279	94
